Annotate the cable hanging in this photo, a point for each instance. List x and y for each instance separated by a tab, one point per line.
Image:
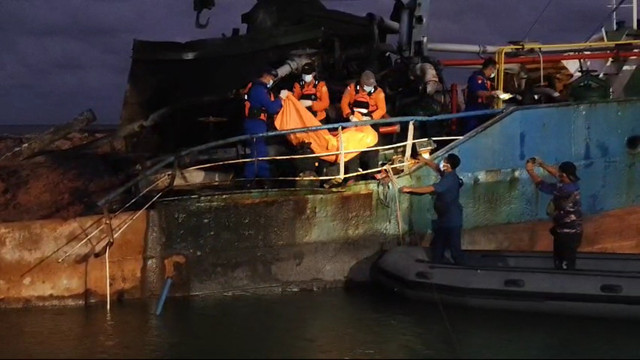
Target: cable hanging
526	36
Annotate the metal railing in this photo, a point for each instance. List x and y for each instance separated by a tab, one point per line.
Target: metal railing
539	49
342	153
162	162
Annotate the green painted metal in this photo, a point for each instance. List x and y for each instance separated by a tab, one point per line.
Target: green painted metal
589	87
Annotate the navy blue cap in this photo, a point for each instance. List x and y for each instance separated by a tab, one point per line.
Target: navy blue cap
269	71
569	169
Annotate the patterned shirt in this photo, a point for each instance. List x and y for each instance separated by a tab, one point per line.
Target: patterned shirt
566	200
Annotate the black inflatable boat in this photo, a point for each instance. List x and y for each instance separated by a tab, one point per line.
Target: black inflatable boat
602	284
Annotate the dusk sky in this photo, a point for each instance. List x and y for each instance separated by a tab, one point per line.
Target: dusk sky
60	57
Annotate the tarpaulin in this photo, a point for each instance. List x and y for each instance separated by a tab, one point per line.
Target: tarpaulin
293	116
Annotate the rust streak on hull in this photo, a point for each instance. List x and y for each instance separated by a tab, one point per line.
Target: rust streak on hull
616	231
32	275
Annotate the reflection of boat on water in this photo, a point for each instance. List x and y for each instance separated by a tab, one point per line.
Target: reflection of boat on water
603	284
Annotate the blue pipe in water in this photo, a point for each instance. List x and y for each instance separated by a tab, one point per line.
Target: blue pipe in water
163	297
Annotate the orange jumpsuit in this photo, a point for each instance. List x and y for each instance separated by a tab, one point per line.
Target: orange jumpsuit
315	91
355	97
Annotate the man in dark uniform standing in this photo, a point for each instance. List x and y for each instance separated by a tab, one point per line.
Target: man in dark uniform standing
259	105
479	94
447	233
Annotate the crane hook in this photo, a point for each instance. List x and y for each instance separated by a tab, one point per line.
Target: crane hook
199	24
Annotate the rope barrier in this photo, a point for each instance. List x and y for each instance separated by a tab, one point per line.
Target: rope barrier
164	160
393	183
290	157
102	226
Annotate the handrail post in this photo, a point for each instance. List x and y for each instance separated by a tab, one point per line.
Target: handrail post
174	173
541	68
254	153
500	59
106	261
341	144
635	14
107	221
407	150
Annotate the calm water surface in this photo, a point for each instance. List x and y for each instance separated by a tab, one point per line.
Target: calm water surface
330	324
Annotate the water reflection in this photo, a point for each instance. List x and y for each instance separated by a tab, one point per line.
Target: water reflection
332	324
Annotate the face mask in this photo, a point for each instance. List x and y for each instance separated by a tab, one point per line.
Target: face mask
442	165
307	78
270	83
368	88
432	87
493	74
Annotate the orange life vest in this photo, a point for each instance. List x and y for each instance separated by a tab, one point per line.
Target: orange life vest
309	93
363	102
251	112
485	99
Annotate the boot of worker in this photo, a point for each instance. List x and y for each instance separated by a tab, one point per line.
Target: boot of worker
369	161
332	183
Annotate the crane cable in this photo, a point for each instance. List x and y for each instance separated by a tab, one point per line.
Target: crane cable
525	38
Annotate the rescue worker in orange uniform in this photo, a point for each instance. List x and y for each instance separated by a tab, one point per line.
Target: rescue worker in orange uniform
312	93
364	100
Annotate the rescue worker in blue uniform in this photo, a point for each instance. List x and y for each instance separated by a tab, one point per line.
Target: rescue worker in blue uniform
260	105
479	94
447	231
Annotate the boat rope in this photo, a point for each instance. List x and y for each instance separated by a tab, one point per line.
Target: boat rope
106	262
83	231
126	222
353	174
447	323
526	36
164	160
393	184
133	217
89	236
290	157
387	197
384	195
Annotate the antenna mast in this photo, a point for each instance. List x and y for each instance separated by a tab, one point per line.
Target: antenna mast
614	13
